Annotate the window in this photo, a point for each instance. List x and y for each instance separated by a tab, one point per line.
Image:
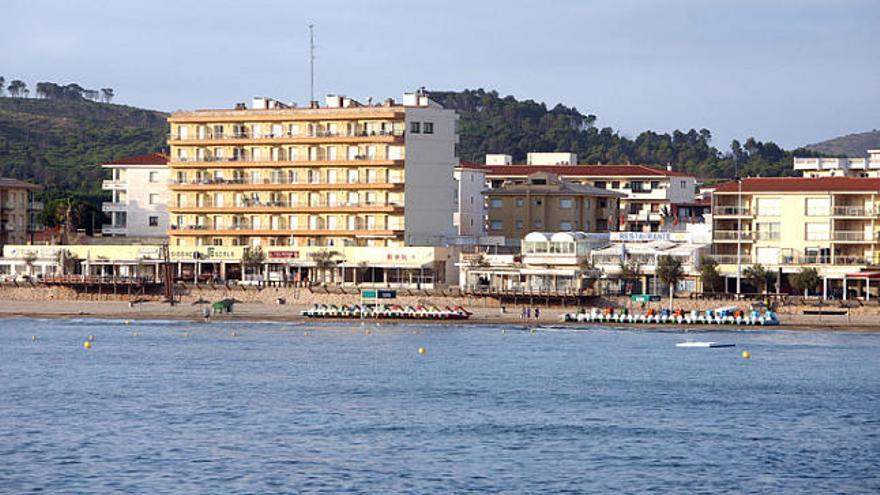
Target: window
154	177
587	204
655	184
496	203
539	202
565	203
768	207
415	127
496	225
818	231
683	184
428	128
565	226
154	221
519	225
154	198
818	207
217	241
615	184
603	203
519	202
539	224
601	184
767	231
637	186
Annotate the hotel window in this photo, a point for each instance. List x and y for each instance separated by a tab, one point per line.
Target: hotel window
539	224
496	225
429	128
655	184
565	226
154	177
256	177
218	131
600	184
276	130
767	231
294	129
519	224
153	221
818	231
293	153
217	241
415	127
565	203
683	184
615	184
496	203
154	198
768	207
637	186
818	207
519	202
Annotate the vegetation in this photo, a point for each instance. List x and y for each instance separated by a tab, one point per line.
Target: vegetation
759	277
709	276
853	145
252	259
492	124
669	271
324	261
805	280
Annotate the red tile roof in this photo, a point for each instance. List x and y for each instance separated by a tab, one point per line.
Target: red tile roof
802	184
476	166
584	170
151	159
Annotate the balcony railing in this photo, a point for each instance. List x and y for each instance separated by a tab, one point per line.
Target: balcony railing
732	235
853	236
284	226
210	136
730	259
295	204
853	211
732	211
280	158
283	181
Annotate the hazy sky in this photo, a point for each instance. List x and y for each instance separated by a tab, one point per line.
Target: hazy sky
794	72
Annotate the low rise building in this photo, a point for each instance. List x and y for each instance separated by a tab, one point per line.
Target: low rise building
651	194
544	201
840	167
784	224
470	209
18	211
138	186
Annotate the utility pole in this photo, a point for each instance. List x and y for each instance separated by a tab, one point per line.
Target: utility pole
311	63
739	214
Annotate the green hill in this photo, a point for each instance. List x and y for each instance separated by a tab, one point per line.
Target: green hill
852	145
60	143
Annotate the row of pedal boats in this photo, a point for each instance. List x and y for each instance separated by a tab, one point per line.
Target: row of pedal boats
388	311
721	316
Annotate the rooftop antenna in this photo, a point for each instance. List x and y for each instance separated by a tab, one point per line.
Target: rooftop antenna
311	63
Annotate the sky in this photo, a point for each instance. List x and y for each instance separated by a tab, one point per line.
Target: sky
794	72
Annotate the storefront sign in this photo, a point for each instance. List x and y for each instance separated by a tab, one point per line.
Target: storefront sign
639	236
284	254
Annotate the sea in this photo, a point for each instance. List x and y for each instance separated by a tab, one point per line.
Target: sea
271	407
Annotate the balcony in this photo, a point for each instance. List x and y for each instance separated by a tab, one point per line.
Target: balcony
109	184
730	259
732	211
853	236
35	205
111	206
113	229
853	211
295	206
240	183
731	235
287	137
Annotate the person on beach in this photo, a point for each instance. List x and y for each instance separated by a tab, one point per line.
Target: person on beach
206	314
522	316
528	313
537	313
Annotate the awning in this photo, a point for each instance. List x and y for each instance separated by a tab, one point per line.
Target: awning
864	275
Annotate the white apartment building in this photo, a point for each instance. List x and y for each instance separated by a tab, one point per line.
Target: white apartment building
470	208
840	167
139	203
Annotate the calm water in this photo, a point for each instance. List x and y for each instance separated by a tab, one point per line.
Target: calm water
274	410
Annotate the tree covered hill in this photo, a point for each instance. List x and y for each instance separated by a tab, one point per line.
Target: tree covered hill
490	123
60	142
852	145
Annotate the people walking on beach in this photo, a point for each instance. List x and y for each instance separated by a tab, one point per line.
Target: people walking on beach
523	315
206	314
528	313
537	313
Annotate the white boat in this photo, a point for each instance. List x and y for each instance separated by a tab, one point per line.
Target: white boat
703	344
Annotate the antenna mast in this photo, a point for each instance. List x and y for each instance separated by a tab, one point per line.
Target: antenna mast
311	63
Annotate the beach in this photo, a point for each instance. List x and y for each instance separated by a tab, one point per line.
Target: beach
256	310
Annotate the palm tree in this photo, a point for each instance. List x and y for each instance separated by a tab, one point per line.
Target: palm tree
107	94
324	260
669	271
16	87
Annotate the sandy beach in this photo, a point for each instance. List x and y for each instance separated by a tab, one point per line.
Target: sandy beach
256	311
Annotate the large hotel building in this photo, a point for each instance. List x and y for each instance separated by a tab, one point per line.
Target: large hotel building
343	174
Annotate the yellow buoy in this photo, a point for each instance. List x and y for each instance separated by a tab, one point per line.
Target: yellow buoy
746	354
87	344
422	350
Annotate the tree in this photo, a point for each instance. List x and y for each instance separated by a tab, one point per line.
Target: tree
759	277
107	94
2	85
252	259
324	260
709	276
630	272
16	88
804	280
669	271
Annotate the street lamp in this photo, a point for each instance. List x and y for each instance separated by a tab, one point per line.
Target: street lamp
739	214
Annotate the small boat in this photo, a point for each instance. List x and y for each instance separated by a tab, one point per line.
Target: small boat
703	344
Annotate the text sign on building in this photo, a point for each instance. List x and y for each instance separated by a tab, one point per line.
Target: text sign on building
639	236
378	294
645	298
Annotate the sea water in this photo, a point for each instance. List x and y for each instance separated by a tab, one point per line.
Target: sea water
178	407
